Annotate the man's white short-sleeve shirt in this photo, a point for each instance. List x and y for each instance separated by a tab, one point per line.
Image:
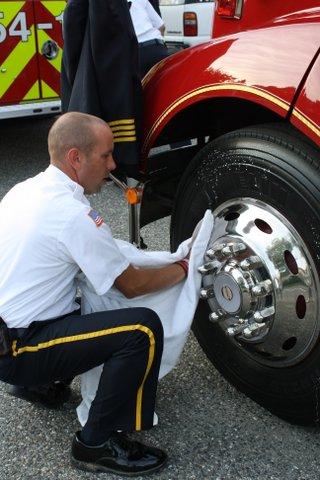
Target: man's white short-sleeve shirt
146	20
48	234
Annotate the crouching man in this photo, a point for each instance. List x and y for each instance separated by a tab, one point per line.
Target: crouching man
48	233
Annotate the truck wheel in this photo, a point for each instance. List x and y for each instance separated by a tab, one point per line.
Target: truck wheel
258	318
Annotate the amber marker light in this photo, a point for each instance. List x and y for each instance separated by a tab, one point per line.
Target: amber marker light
133	196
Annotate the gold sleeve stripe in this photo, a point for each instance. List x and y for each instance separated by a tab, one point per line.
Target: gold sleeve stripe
131	133
128	121
122	127
125	139
101	333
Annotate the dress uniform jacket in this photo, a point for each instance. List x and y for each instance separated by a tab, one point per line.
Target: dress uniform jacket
100	70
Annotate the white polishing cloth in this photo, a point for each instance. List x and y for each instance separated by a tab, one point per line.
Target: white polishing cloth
175	305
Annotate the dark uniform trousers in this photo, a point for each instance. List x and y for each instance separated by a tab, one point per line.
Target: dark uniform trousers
129	342
150	53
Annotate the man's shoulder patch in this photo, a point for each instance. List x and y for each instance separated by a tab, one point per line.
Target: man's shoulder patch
96	217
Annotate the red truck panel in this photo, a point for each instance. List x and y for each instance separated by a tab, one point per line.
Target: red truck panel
261	13
256	65
306	114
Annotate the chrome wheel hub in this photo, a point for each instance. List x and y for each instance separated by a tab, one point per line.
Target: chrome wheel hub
261	283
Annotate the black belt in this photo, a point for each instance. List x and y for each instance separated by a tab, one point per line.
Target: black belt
17	333
155	41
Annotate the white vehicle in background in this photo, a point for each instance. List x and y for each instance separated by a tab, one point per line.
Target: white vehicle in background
187	22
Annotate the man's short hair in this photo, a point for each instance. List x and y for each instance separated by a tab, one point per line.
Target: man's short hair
72	130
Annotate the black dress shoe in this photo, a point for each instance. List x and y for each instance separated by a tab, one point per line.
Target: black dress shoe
52	395
117	455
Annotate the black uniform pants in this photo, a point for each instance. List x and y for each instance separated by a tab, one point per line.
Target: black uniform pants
149	55
128	342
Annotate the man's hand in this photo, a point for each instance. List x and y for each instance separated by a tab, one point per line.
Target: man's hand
139	281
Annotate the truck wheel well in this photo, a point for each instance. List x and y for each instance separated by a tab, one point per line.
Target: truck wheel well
214	117
205	121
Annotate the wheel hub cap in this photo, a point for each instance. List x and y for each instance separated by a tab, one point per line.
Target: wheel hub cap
227	292
261	283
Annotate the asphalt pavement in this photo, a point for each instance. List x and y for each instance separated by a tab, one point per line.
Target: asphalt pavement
210	430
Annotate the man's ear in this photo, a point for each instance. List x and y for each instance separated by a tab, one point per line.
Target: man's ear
73	158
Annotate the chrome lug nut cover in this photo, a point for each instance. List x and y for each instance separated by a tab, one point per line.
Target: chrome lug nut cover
262	315
253	329
216	316
262	289
206	293
251	263
211	254
233	249
236	329
208	268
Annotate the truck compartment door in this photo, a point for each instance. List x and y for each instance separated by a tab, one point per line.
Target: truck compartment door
18	57
48	16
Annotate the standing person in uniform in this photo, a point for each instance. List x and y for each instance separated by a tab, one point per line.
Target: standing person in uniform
149	29
155	4
48	233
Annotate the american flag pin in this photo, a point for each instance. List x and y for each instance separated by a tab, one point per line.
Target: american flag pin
96	217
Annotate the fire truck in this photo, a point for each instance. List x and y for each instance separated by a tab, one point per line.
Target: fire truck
241	115
30	57
249	101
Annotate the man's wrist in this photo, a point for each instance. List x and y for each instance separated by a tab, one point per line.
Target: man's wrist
184	264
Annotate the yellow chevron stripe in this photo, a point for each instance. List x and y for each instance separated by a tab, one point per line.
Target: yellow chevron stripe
101	333
10	10
24	51
47	91
124	134
122	128
34	92
55	8
125	139
128	121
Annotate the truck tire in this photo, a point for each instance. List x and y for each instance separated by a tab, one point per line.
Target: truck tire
258	320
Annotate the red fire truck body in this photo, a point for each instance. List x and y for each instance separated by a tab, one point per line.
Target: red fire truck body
243	111
259	13
266	66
